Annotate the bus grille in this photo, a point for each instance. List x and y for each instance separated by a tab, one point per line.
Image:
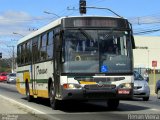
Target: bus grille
99	95
99	87
99	79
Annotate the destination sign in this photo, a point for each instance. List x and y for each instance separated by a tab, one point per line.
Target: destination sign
95	22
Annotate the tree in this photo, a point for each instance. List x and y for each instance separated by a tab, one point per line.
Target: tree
5	65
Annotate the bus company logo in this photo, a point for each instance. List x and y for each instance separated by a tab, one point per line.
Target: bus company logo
42	71
100	84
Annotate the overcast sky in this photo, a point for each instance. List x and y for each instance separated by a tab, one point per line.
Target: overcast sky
22	16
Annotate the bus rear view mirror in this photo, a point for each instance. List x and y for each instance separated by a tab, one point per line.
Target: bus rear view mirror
133	43
62	56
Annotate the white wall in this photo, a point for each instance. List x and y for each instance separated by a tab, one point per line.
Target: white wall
143	57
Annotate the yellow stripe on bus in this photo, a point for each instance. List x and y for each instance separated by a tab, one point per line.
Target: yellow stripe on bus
26	76
43	93
86	82
39	93
20	90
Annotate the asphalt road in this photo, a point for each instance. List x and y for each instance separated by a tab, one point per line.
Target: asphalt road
92	110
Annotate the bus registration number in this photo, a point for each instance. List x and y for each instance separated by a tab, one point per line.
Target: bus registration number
123	91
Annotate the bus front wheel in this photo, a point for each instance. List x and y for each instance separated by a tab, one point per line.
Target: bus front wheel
53	102
113	104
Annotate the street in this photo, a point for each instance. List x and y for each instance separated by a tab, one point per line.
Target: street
13	103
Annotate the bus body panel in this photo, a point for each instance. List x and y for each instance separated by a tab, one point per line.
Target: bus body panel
103	86
100	87
38	80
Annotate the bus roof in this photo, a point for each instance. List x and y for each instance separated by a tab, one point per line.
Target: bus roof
54	24
41	30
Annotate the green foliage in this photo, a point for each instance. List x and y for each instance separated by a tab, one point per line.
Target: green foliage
5	65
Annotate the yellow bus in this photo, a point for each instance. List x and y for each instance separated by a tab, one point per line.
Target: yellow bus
77	58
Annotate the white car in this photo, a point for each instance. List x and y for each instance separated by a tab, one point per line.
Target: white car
141	87
11	78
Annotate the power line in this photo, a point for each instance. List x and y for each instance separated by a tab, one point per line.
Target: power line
146	24
147	31
95	2
150	19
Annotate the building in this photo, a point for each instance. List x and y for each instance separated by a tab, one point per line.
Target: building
147	50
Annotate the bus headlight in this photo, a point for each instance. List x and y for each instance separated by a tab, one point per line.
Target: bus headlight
126	85
71	86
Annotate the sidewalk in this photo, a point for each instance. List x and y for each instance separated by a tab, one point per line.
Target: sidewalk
11	111
152	90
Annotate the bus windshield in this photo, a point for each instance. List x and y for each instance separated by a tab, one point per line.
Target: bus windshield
97	51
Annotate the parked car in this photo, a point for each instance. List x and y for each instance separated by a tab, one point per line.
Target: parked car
11	78
157	89
141	87
3	76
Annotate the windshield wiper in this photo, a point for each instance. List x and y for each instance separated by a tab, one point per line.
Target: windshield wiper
85	34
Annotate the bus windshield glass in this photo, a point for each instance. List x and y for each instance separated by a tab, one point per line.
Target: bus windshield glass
97	51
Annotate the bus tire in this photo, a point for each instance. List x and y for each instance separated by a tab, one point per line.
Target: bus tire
28	96
113	104
53	101
158	94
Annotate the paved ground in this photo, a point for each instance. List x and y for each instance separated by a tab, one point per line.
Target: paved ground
152	90
11	111
13	104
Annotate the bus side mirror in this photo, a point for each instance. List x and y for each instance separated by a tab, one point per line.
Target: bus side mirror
133	43
62	56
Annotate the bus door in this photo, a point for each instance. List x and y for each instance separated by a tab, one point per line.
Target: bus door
57	64
34	67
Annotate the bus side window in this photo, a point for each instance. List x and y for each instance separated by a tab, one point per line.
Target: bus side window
22	53
19	55
43	52
25	53
50	45
30	51
35	53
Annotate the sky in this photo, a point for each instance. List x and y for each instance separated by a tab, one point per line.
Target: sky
25	16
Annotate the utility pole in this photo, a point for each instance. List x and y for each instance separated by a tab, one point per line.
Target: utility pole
13	59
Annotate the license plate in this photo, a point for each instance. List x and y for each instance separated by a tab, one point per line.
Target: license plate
123	91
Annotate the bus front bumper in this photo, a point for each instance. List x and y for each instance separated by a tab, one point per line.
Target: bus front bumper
83	94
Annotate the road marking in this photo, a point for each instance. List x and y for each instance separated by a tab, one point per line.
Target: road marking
154	109
32	110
